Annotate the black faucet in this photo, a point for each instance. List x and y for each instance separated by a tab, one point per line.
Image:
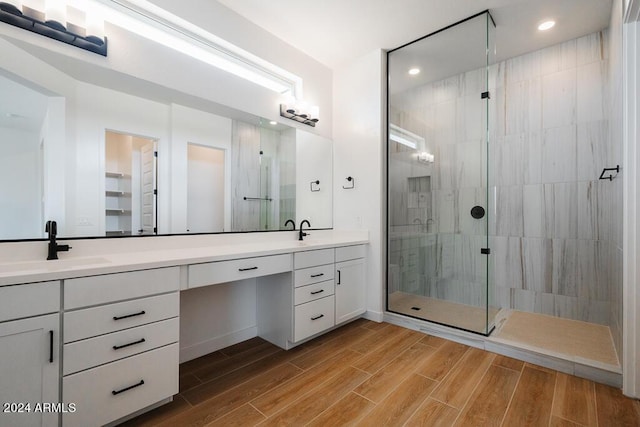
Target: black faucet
292	223
52	228
301	233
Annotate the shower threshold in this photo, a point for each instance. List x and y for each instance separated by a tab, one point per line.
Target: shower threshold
584	342
461	316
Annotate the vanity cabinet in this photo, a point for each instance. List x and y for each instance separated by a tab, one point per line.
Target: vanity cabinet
121	351
314	301
29	353
327	289
350	284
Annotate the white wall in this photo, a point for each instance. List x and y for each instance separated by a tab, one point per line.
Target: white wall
358	152
56	167
314	163
20	184
631	278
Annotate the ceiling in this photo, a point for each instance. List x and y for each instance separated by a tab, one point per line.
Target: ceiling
336	31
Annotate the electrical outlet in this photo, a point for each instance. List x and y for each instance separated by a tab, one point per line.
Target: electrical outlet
84	221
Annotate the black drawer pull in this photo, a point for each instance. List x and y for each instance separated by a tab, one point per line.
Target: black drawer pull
118	347
115	392
317	292
129	315
50	346
317	275
247	269
320	316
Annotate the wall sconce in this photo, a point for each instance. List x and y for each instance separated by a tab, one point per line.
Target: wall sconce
52	23
299	112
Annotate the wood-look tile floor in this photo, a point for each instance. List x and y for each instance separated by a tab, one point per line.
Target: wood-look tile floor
378	374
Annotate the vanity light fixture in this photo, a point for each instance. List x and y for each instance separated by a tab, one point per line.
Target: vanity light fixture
546	25
414	71
51	22
425	157
301	112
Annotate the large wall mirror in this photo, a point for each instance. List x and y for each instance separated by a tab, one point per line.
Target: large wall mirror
107	161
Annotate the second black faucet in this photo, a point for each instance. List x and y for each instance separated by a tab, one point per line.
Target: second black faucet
51	227
301	233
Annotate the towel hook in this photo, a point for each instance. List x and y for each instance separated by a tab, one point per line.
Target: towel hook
316	182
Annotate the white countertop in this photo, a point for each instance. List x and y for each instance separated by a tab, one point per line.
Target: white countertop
89	257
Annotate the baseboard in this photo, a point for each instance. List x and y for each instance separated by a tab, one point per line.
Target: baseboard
375	316
209	346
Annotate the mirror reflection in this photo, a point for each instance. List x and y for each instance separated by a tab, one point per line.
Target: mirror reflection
105	162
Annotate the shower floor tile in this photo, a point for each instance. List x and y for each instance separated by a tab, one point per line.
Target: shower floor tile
573	339
463	316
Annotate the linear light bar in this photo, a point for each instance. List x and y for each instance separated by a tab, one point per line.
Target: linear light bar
161	26
404	137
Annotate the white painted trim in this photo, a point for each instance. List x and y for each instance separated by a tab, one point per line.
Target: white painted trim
374	316
631	206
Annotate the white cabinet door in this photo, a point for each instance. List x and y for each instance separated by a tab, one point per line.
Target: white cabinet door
350	291
29	371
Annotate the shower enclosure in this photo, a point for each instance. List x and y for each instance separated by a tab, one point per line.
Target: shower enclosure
439	214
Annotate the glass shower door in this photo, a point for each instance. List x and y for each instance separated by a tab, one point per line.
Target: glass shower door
439	98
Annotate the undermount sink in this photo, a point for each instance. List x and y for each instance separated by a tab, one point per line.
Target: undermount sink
53	265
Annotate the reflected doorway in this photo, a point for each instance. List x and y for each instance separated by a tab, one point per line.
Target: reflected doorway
130	184
205	189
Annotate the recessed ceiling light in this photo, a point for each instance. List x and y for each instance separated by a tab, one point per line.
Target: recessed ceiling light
414	71
546	25
273	122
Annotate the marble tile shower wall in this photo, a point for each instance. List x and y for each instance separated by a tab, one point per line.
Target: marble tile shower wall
554	219
551	221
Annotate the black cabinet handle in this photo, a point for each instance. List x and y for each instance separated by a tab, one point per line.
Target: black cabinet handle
317	275
318	317
247	269
115	392
118	347
317	292
339	278
50	346
129	315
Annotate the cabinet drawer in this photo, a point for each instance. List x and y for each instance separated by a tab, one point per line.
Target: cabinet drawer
238	269
27	300
313	258
306	276
91	352
92	391
313	292
350	252
90	322
94	290
313	317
